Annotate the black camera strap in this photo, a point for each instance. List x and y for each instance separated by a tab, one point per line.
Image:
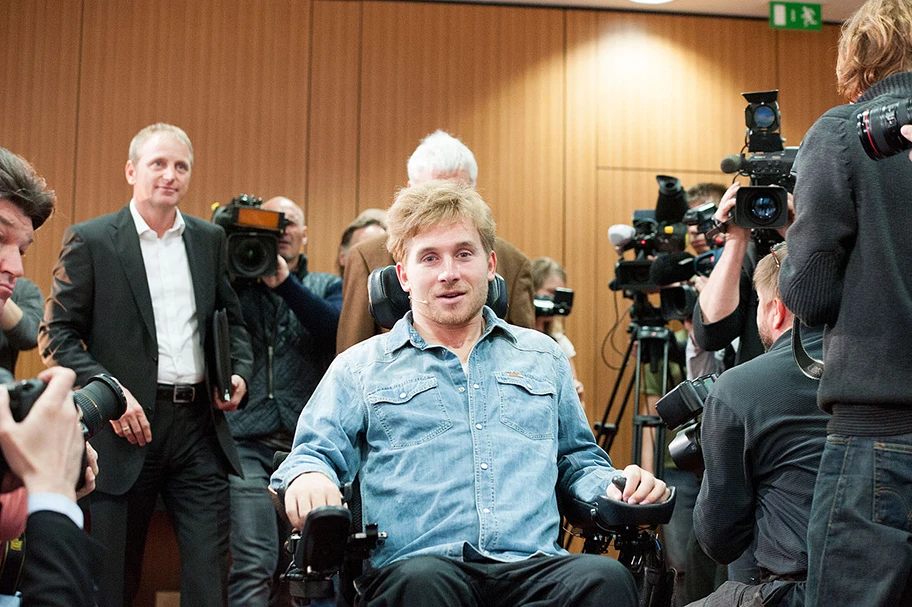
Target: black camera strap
811	367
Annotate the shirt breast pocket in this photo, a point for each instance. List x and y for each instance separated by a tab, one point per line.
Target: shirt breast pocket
410	413
527	404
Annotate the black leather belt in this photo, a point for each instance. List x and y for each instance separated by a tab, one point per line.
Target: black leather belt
180	393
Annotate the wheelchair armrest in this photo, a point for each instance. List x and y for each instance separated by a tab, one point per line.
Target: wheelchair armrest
606	513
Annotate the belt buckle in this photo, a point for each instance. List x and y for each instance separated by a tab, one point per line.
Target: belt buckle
183	394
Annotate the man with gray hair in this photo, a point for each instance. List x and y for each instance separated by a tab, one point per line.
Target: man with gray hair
134	295
438	156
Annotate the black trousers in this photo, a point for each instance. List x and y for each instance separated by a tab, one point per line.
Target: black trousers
579	580
185	466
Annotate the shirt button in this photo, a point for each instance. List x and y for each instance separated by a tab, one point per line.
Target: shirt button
461	389
476	386
478	426
487	511
402	395
484	466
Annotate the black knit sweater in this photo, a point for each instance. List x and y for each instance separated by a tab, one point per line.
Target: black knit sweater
850	267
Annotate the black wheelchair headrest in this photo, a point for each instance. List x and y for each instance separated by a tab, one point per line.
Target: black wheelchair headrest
388	302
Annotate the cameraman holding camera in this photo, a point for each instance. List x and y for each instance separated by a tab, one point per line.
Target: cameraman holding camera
727	307
292	319
849	271
762	436
44	451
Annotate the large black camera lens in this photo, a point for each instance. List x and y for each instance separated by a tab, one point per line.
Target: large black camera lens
761	207
100	401
252	254
878	129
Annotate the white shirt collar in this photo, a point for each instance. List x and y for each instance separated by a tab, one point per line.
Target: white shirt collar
143	228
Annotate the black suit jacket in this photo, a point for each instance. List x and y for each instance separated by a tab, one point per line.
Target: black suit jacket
98	319
61	562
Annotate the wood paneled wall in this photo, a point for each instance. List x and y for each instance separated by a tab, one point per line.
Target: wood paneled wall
570	113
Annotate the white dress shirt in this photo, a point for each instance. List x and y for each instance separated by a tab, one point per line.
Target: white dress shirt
180	353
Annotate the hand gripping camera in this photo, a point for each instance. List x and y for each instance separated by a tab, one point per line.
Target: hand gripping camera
100	401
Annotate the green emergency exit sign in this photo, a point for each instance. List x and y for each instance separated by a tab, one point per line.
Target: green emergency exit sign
795	16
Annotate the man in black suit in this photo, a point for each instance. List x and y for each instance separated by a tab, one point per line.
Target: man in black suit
134	294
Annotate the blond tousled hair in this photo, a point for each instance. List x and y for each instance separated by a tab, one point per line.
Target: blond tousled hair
440	202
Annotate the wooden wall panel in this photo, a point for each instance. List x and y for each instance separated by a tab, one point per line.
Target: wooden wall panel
233	74
671	88
807	79
332	158
581	239
39	60
492	76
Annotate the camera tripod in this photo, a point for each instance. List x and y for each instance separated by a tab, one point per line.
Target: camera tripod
652	342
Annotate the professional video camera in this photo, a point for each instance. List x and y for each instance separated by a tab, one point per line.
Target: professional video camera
763	204
680	408
100	401
653	232
253	236
559	305
878	129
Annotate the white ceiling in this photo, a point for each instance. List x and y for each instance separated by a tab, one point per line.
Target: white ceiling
833	11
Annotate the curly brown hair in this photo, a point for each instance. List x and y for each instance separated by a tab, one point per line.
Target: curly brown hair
876	42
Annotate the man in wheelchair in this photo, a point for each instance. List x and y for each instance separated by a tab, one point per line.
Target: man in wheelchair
461	430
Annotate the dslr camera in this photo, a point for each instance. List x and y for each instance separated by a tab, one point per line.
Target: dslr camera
99	401
253	236
764	203
680	408
878	129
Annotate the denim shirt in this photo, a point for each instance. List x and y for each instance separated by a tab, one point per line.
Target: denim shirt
453	463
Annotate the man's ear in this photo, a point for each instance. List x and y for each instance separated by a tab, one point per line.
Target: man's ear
782	318
304	238
130	172
492	266
402	276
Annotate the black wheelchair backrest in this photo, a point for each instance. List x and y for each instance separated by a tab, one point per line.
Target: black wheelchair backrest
388	302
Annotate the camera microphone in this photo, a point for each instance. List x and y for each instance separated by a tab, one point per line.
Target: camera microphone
671	268
621	235
421	301
732	163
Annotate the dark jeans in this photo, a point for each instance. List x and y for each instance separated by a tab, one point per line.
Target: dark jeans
257	532
579	580
770	594
860	532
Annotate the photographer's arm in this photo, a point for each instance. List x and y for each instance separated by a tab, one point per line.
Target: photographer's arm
725	510
320	315
22	314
